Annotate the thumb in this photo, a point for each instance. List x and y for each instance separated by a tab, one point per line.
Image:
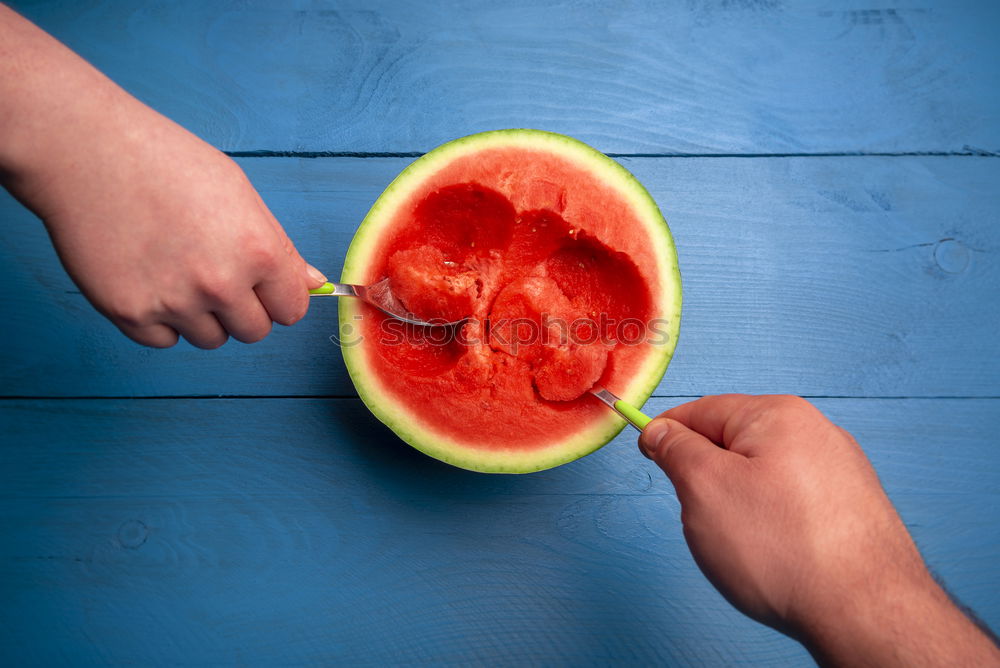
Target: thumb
681	452
314	277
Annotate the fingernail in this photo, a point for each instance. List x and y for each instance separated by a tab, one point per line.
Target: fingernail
316	274
653	436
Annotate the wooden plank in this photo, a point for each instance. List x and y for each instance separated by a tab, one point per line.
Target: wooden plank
697	77
817	276
276	531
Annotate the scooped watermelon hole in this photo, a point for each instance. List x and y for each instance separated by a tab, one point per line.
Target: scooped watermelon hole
548	300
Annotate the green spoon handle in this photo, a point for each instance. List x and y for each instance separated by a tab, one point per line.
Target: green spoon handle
636	417
334	290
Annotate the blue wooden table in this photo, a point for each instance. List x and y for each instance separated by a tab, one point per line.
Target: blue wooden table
830	172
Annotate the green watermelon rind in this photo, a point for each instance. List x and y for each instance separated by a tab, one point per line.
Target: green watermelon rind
401	420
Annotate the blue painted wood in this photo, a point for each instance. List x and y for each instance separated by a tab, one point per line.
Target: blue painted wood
275	531
710	76
300	530
819	276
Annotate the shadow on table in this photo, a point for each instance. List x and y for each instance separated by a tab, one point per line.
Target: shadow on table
560	550
406	471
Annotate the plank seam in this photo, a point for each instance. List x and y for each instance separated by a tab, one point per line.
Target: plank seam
966	152
948	397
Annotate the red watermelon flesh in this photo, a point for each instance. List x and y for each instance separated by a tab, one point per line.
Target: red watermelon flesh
545	299
532	319
432	287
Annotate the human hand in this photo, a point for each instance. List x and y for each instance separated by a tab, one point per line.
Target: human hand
162	233
789	521
166	236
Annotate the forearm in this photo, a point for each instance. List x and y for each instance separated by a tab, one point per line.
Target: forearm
917	625
53	104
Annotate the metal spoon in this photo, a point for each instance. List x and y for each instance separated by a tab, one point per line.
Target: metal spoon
635	417
380	296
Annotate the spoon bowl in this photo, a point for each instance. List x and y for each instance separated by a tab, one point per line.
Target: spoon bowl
381	297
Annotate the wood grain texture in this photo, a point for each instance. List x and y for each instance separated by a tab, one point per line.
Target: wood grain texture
275	531
284	530
706	76
817	276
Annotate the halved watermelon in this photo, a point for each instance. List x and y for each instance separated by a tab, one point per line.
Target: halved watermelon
567	273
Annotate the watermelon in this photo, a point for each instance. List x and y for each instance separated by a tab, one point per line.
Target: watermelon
564	274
